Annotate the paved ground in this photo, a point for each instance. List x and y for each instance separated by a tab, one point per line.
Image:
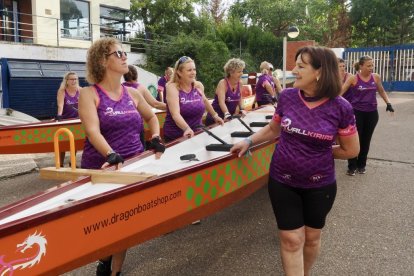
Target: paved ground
368	232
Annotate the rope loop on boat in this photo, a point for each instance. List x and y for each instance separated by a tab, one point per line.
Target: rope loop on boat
71	147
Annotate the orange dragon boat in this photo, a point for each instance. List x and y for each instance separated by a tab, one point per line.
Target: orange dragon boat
90	217
38	137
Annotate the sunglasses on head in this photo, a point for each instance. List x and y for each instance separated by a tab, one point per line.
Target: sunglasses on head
118	54
182	59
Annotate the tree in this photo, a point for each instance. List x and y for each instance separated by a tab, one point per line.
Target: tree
390	22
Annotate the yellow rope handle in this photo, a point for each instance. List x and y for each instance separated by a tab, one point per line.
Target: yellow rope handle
71	147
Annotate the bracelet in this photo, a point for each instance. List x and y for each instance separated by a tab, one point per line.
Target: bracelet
249	141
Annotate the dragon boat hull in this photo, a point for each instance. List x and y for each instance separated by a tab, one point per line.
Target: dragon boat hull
78	222
38	137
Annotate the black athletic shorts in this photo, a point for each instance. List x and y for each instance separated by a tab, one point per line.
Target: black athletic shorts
297	207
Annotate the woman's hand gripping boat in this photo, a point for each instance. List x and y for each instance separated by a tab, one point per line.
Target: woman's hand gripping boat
83	220
38	137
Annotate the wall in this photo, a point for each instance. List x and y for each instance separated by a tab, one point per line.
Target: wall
46	26
292	48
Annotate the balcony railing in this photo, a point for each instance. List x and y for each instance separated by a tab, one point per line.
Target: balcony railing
41	30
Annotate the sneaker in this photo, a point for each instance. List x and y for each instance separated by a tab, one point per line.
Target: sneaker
362	171
351	172
104	268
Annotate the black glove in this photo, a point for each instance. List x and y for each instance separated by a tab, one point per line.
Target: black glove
114	158
157	145
389	108
59	118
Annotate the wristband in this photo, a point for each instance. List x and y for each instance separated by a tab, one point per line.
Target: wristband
114	158
157	145
227	115
249	141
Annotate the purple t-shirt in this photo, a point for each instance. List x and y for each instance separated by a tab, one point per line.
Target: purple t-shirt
232	100
192	109
70	105
261	93
120	124
162	83
364	95
303	158
134	85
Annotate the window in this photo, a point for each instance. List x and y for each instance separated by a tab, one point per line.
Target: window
74	19
113	22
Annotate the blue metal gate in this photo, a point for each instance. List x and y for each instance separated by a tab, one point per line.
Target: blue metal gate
395	64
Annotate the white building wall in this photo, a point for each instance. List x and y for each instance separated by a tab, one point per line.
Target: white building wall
46	26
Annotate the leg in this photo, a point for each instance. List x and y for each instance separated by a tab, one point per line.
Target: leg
370	122
311	248
359	118
291	249
62	158
117	262
288	209
317	203
104	267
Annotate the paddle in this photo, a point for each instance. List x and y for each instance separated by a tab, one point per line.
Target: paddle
189	157
216	147
241	133
258	124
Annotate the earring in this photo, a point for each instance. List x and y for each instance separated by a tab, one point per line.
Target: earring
317	79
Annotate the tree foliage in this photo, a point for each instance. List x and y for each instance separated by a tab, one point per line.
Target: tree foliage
211	32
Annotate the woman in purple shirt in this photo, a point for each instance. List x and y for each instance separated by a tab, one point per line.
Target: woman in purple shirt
162	83
266	88
67	101
344	77
364	86
302	184
186	102
227	99
112	115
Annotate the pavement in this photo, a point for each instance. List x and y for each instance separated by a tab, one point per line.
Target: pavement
368	232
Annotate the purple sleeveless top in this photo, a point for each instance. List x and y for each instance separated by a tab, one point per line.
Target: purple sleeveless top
303	158
134	85
348	93
70	106
192	109
232	100
162	83
261	93
364	95
120	124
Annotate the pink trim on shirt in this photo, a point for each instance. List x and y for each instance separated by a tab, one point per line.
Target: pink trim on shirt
119	98
350	130
97	95
308	104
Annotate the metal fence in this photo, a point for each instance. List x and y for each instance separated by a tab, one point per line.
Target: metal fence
395	65
19	27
